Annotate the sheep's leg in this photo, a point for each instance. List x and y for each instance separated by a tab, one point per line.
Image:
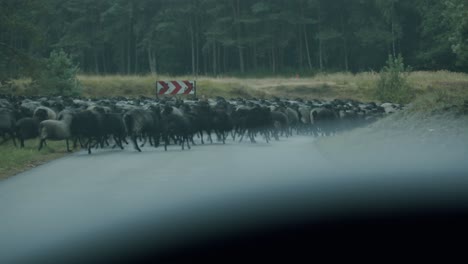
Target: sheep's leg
209	136
118	142
201	136
90	146
144	142
99	142
188	144
135	143
252	136
156	140
68	146
81	142
41	144
175	139
13	138
166	142
242	133
21	142
106	141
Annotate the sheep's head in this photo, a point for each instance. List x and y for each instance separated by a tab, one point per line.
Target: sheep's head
168	110
41	114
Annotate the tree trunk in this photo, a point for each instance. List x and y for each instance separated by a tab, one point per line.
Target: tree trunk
136	60
214	59
104	62
197	47
151	61
306	40
96	61
254	57
345	44
224	59
218	57
236	13
192	45
299	48
130	39
393	37
273	59
320	38
205	64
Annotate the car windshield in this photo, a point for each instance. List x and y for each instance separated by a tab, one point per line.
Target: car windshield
196	116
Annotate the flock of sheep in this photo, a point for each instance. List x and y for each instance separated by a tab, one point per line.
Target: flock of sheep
94	123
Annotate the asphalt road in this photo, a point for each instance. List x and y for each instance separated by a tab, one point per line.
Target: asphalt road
80	194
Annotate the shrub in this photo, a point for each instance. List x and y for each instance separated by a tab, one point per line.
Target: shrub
58	76
392	85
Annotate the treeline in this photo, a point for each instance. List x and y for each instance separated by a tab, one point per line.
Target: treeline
234	36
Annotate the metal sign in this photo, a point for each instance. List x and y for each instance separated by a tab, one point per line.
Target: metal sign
175	87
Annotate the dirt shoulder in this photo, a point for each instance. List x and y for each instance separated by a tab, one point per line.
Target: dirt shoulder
404	139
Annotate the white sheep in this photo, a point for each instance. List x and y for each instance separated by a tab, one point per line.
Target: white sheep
56	129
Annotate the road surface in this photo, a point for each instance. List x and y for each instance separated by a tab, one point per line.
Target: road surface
80	194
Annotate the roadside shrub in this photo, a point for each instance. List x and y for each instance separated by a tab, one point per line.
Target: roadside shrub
58	76
393	85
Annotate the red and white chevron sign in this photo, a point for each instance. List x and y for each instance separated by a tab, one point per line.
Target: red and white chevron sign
175	87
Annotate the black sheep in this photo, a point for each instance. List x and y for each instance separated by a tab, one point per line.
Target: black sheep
141	123
7	124
175	126
28	127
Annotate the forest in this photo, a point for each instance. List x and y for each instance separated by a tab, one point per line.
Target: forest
233	37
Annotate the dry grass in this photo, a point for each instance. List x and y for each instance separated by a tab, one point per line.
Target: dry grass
359	86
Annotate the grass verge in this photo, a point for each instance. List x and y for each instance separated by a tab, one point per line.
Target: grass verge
15	160
359	86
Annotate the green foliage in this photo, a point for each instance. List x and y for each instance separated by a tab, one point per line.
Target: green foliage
58	76
456	17
393	85
219	37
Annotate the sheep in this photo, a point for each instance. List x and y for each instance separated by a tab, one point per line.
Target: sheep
87	125
293	118
49	112
252	120
112	124
28	106
323	119
7	124
280	124
203	120
222	123
175	125
141	123
304	112
56	129
28	127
